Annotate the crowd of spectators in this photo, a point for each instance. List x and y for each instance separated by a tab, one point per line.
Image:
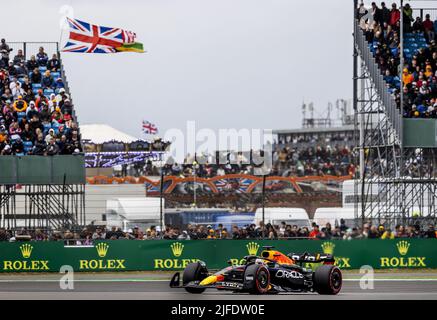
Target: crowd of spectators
287	231
204	232
218	164
322	138
419	75
286	161
313	161
36	113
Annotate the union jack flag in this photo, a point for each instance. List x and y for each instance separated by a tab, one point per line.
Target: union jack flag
90	38
149	128
233	185
152	189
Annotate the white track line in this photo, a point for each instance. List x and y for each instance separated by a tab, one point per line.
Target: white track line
393	280
83	280
167	280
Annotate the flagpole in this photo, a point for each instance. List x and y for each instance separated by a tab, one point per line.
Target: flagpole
60	38
161	208
194	185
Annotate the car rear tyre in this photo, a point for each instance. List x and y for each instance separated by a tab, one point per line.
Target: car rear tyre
327	280
194	272
256	279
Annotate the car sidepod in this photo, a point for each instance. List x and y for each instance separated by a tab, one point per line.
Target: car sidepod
288	278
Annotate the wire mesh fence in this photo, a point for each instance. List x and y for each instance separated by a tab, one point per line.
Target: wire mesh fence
187	210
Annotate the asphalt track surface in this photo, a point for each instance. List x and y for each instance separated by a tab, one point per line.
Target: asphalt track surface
387	286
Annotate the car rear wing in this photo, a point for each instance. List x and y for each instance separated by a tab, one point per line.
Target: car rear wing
312	258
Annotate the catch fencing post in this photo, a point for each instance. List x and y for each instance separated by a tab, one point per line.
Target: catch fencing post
161	188
263	205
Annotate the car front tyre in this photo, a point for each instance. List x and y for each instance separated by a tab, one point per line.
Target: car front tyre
194	272
327	280
256	279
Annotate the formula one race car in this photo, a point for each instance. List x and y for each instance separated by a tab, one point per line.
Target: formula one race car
272	272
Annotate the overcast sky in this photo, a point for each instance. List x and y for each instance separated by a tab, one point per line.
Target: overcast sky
223	63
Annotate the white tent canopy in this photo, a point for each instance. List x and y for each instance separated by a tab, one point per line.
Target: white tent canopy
101	133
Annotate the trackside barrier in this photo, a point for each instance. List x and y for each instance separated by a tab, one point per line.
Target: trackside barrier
59	169
126	255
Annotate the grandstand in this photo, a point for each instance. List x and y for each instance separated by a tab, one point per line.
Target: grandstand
397	149
386	142
110	152
37	110
42	177
112	156
323	146
309	167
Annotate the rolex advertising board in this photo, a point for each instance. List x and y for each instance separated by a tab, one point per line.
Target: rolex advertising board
125	255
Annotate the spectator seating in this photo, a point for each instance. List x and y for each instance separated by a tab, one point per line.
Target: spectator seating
420	63
287	161
35	110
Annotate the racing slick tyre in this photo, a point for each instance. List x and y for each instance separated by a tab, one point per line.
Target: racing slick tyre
256	279
327	279
194	272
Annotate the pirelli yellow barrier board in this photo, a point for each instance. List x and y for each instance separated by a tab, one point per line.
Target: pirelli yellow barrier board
125	255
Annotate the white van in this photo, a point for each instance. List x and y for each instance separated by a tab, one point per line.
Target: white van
333	215
130	211
275	216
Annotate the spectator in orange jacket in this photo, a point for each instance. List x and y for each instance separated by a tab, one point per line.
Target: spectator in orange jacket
407	77
428	71
3	135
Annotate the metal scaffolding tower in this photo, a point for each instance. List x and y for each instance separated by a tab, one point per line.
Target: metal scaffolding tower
7	205
39	192
396	184
45	207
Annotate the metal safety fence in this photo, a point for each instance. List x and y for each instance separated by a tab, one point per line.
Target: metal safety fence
387	99
32	48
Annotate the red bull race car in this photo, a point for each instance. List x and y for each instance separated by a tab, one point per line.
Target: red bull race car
270	273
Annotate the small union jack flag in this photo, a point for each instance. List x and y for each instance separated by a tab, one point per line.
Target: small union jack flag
152	189
239	185
90	38
149	128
